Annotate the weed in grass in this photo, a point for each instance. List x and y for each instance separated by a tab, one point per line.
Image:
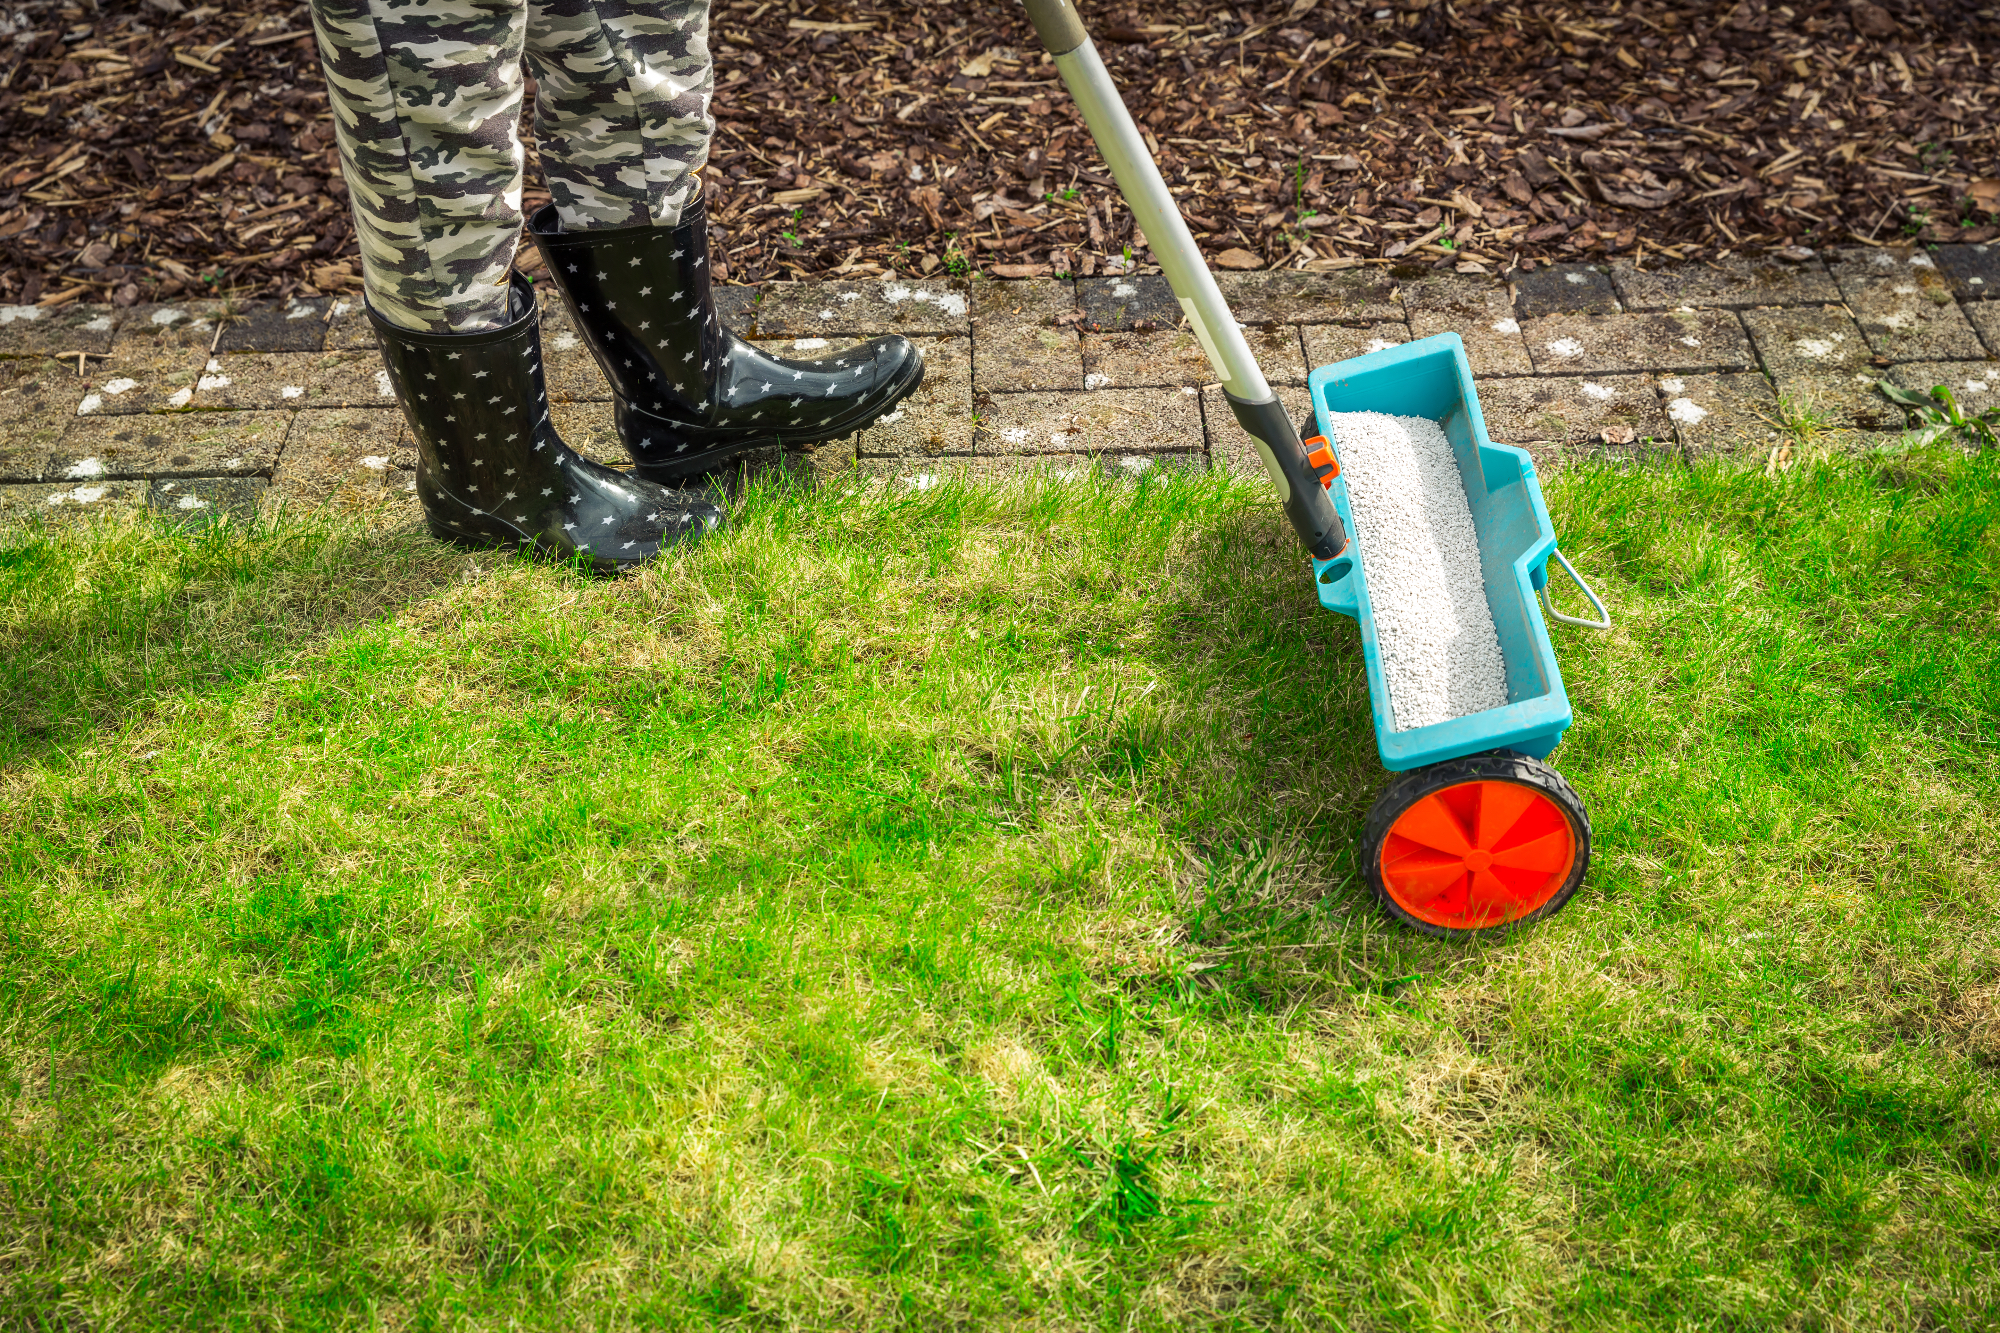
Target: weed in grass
939	908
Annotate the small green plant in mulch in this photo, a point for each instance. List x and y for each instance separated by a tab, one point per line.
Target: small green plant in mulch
1938	416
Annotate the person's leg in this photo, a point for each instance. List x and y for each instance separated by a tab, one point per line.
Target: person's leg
622	89
426	101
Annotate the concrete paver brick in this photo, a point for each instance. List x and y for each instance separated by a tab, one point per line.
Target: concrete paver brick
1737	281
1984	316
1558	418
179	444
1720	414
735	306
1122	304
937	418
158	380
1904	305
341	458
866	308
1974	385
1819	361
298	325
37	403
353	378
1674	340
184	325
68	502
1171	357
200	502
1328	343
1024	336
1108	421
1972	270
1230	448
1564	289
28	330
349	330
249	381
1480	311
1295	296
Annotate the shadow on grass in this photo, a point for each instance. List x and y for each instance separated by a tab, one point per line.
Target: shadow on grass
99	623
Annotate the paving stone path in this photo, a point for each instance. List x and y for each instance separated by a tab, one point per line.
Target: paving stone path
206	409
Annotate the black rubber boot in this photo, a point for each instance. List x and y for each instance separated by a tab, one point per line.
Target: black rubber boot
491	470
691	394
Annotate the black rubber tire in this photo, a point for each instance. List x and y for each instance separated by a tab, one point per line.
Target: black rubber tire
1493	765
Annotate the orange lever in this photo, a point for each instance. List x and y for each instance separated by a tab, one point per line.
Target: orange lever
1319	453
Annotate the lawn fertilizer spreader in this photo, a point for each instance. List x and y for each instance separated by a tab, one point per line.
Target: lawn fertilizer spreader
1476	831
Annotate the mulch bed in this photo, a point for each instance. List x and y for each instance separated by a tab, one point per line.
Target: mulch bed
156	153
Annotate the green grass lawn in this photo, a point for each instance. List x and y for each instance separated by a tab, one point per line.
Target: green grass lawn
940	910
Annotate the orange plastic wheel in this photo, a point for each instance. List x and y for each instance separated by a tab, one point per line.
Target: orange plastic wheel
1471	844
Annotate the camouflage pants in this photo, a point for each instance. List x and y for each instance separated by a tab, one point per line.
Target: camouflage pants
426	98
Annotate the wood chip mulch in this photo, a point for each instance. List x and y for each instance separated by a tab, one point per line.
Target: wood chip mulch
158	150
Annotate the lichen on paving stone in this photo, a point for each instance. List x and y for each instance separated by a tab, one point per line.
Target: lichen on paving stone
69	502
1124	421
1720	414
172	445
341	458
1564	289
1328	343
1683	340
1556	418
28	330
872	306
1737	281
1024	336
1230	448
1295	296
1480	311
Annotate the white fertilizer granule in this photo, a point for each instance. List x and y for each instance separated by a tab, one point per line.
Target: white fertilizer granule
1420	555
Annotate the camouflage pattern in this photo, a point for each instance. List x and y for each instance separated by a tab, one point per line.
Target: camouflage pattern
426	98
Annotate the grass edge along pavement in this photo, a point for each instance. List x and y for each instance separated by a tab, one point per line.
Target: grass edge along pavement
935	908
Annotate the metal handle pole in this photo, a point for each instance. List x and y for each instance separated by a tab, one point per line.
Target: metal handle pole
1257	409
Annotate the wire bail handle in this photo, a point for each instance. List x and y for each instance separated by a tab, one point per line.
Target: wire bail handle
1604	617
